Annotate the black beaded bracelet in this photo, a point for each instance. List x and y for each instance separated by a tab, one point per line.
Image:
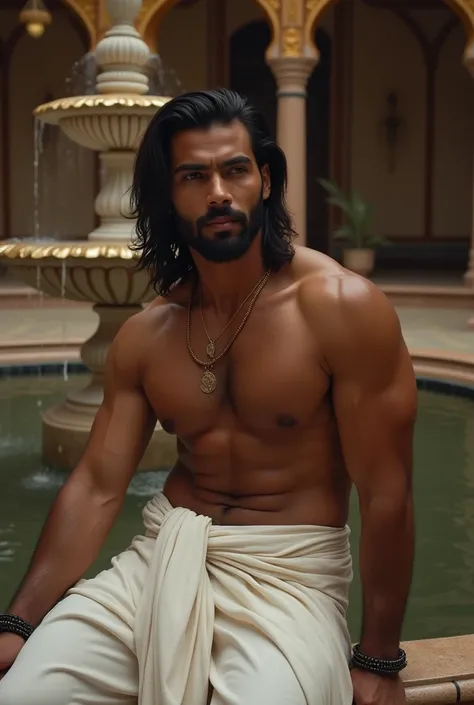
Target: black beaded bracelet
15	625
382	667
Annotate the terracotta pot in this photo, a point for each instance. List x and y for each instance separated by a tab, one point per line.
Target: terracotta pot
360	261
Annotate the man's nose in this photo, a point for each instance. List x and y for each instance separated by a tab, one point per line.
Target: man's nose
218	193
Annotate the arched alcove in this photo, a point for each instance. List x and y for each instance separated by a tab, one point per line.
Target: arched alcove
251	75
37	72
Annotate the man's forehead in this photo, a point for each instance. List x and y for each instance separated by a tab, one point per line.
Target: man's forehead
217	142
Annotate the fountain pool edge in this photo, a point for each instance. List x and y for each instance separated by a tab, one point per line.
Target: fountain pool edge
441	366
441	670
426	380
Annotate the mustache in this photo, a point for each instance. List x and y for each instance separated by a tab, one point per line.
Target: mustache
221	212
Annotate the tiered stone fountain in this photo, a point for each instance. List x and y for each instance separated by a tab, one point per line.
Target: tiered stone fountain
101	269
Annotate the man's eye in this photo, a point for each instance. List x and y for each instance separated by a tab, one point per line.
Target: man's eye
193	175
238	170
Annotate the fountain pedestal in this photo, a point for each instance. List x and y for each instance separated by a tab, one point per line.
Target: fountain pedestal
66	426
112	204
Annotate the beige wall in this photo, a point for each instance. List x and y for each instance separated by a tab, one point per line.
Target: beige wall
183	38
38	68
182	44
388	58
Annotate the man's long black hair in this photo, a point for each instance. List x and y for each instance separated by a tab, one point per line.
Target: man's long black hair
157	236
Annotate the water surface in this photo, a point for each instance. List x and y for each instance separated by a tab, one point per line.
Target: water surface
442	600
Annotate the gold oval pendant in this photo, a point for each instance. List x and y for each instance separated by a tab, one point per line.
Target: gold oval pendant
208	382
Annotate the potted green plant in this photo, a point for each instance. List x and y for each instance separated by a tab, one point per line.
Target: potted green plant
358	254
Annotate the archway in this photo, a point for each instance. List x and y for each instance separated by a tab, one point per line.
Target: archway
82	20
401	153
318	144
464	8
18	97
152	12
251	75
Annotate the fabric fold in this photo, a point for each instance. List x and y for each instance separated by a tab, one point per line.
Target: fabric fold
173	625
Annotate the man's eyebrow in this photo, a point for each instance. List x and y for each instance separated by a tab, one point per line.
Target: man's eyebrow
195	166
190	167
240	159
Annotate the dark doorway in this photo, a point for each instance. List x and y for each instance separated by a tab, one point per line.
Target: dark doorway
318	141
250	75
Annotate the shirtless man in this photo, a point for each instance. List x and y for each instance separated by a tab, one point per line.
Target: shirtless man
308	390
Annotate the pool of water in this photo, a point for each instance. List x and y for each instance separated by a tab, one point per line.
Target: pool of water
442	599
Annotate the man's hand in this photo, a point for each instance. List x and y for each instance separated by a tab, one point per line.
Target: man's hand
370	689
10	647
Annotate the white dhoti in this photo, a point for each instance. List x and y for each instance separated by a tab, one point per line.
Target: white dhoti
245	615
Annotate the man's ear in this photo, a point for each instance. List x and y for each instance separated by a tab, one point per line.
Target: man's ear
266	182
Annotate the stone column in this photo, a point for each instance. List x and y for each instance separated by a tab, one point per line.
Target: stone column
292	75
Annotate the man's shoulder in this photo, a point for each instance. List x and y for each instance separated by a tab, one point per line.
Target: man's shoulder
150	320
143	322
140	333
340	304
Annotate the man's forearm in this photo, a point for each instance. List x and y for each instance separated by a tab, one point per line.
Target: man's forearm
71	539
386	567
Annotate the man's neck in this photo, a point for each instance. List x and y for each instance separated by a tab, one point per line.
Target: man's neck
224	286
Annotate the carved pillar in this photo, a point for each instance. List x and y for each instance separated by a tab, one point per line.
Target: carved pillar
292	73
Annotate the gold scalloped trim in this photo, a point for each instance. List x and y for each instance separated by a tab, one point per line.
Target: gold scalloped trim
86	250
92	102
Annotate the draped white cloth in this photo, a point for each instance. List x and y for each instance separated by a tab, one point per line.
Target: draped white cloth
238	608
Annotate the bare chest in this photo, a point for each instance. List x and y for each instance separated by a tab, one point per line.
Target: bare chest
270	378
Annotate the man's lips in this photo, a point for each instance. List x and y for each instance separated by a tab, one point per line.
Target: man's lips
221	224
221	219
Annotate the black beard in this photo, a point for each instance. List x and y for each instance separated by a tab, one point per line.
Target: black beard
225	246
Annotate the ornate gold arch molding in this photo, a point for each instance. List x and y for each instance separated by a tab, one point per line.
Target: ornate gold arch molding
153	10
86	10
464	8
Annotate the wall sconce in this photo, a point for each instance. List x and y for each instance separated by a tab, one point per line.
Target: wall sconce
392	124
35	17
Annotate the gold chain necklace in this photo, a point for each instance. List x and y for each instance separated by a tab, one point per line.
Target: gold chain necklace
208	379
211	344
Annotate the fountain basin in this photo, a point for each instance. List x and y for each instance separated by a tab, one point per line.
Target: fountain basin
106	275
102	122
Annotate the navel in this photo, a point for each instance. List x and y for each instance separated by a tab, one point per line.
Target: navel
286	421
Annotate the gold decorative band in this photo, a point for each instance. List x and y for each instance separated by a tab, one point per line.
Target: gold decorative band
58	250
55	109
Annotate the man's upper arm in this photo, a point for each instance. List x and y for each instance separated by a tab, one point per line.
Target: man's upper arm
374	389
124	422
